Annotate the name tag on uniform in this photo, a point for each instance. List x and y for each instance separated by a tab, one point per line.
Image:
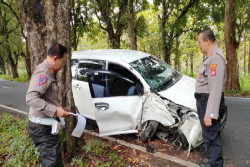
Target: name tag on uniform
213	69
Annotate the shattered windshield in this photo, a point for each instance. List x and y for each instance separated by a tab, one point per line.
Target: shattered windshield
157	74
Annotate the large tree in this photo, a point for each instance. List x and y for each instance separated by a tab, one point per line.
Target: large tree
81	20
172	22
136	23
9	39
112	17
47	22
249	58
13	7
237	17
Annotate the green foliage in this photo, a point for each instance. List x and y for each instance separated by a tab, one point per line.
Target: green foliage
245	84
16	149
23	77
78	161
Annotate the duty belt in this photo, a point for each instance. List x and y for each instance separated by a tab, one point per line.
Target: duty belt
42	121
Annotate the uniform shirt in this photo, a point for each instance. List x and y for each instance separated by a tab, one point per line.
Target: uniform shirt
42	92
211	80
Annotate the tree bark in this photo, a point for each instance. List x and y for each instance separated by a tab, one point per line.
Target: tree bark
192	63
177	55
231	46
249	58
11	62
27	60
47	22
131	28
245	52
187	66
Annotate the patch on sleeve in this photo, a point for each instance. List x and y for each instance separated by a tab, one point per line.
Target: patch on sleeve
200	76
42	80
213	69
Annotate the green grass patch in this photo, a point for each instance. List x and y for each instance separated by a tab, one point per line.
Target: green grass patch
245	83
16	149
23	77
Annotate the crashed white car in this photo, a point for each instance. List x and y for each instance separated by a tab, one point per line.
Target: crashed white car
129	91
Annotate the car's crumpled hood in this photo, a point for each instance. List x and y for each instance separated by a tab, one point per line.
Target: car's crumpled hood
182	92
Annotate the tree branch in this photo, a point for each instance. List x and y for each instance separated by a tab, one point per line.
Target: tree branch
99	21
15	14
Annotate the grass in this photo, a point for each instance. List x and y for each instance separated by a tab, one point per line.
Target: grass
23	77
17	149
244	87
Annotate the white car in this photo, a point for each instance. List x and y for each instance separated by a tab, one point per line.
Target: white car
129	91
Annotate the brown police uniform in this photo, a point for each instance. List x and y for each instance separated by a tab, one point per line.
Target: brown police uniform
42	99
210	102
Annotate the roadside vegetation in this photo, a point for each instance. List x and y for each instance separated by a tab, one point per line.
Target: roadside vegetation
17	149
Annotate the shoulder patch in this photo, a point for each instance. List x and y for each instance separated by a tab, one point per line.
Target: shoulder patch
213	69
42	80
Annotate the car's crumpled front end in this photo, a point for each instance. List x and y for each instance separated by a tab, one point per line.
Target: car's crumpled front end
163	118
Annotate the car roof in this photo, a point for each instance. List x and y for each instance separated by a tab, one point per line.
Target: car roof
127	56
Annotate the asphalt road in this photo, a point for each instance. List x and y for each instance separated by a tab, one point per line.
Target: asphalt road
235	136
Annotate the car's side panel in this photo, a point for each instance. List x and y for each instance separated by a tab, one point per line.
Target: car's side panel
121	117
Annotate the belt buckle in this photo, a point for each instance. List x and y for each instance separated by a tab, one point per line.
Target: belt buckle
39	120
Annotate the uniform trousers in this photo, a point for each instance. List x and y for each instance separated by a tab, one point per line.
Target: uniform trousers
48	144
211	135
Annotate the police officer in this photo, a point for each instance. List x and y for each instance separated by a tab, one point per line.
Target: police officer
210	97
42	99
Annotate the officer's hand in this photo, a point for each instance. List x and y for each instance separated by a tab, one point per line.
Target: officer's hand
208	121
60	112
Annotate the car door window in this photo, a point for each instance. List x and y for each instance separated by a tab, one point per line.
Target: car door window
122	70
110	85
86	66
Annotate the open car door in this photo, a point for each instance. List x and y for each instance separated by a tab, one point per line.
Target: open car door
117	107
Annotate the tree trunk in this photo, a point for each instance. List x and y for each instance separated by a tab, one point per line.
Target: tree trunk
192	63
187	66
114	39
74	27
12	64
166	51
131	28
177	55
47	22
27	60
230	42
249	58
34	21
245	52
